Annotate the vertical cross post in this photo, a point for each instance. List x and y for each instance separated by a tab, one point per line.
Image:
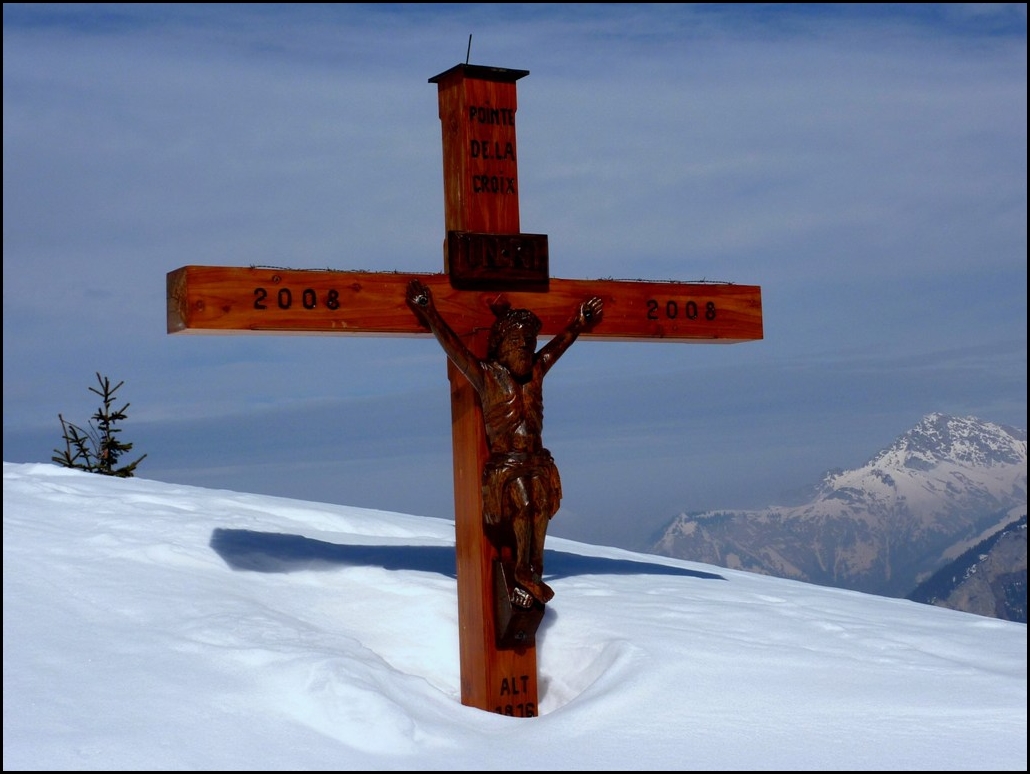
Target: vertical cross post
477	116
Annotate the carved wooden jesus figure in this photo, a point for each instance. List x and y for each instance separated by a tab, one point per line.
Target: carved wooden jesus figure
521	486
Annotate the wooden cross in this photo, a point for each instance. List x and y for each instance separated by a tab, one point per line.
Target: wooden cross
487	260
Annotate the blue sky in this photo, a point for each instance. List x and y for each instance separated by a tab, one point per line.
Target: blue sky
865	165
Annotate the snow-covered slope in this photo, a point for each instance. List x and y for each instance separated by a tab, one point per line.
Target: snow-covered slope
150	626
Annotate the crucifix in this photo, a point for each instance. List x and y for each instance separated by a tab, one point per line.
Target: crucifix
486	308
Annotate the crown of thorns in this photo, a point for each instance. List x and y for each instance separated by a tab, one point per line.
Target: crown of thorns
509	320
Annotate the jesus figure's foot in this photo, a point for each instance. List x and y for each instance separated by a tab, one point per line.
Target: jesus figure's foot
533	584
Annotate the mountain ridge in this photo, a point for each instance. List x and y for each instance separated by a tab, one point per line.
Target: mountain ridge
989	579
932	494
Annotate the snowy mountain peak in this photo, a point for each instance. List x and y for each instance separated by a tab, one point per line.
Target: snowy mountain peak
943	456
961	440
936	491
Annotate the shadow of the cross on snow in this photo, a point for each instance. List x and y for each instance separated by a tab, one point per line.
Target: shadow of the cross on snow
244	549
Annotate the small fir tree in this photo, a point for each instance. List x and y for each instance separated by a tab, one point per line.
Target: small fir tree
97	449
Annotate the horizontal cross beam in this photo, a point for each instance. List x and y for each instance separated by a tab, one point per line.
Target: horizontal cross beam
219	299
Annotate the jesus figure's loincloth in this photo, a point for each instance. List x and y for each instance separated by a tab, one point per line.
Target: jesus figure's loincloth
502	469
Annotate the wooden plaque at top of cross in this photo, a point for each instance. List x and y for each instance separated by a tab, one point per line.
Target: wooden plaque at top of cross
491	269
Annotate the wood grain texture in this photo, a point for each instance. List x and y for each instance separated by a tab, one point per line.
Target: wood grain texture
224	299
